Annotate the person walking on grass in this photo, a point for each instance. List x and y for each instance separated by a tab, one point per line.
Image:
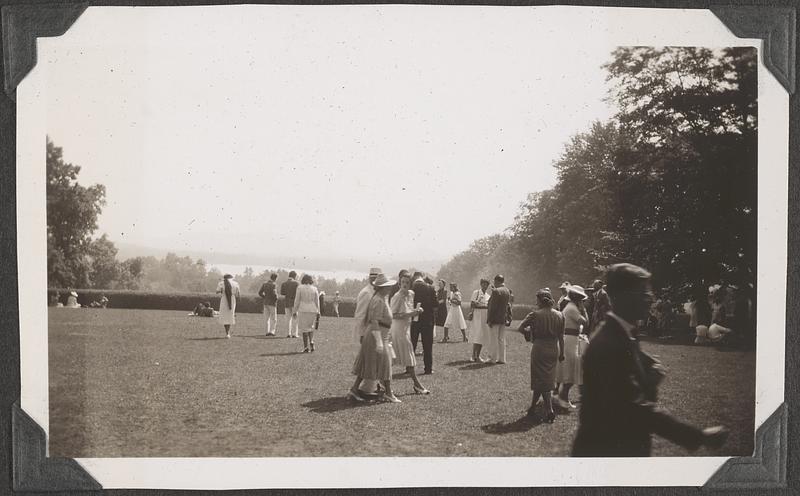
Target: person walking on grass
455	316
496	313
479	304
618	412
306	310
569	371
336	301
374	359
402	306
269	293
546	332
288	291
227	302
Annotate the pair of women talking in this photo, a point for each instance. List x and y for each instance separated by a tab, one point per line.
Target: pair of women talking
388	336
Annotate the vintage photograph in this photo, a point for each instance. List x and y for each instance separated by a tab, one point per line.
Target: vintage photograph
374	231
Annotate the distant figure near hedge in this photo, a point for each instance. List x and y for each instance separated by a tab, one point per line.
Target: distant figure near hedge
227	302
72	300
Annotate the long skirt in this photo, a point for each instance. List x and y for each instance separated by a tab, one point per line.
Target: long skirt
305	321
544	357
371	363
479	329
570	370
227	314
401	342
455	318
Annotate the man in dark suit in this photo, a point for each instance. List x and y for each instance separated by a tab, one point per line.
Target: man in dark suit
425	296
618	411
289	291
496	318
270	295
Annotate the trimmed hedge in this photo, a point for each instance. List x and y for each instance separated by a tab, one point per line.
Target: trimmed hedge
147	300
247	303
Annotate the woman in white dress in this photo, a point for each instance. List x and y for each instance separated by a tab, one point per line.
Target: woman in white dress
455	316
569	371
479	330
227	302
306	310
402	306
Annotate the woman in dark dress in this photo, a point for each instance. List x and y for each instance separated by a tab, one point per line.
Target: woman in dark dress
441	307
547	334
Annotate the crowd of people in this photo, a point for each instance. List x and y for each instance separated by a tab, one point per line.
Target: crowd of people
586	338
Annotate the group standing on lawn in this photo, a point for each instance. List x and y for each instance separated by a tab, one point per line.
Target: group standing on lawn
617	381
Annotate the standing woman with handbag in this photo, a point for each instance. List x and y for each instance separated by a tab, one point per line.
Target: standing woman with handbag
374	359
402	306
479	330
547	335
455	316
227	302
569	371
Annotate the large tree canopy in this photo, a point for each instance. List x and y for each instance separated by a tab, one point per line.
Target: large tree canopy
72	212
669	183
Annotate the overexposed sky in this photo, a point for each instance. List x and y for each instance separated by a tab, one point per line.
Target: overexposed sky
372	132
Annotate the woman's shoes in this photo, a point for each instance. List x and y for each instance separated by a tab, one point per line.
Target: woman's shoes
421	390
550	417
444	340
312	347
391	398
354	395
305	350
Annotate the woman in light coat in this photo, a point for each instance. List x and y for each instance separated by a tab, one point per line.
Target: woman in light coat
227	302
306	310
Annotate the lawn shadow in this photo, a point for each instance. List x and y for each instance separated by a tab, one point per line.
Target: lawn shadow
206	339
523	424
285	353
256	337
459	362
476	366
336	404
400	375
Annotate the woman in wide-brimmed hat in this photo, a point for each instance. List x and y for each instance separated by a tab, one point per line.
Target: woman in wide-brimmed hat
374	360
569	371
547	334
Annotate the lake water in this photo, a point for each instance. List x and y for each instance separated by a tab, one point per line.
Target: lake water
339	275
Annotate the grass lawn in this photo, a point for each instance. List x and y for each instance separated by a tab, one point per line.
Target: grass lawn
146	383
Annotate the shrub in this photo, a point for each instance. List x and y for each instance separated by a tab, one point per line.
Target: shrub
146	300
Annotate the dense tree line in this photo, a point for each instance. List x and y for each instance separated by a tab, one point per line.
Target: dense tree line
669	183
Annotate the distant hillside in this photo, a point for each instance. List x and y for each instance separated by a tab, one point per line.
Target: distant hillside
127	250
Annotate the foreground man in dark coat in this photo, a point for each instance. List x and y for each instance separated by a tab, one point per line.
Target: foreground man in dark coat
618	412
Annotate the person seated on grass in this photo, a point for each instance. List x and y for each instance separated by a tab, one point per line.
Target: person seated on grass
72	300
101	303
203	309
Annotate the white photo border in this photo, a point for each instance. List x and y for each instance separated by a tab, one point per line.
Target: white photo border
657	27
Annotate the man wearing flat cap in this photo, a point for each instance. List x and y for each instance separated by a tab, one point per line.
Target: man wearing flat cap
618	411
